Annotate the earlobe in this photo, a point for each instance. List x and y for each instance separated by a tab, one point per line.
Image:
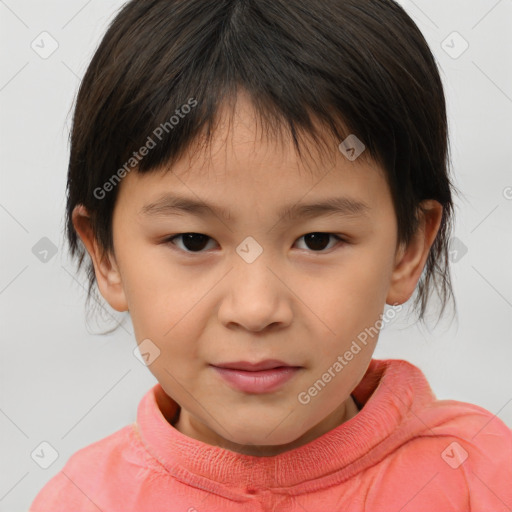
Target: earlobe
107	273
410	260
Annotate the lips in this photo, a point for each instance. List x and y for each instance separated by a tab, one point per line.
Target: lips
262	377
267	364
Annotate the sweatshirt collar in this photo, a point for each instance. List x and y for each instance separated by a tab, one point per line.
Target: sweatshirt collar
385	397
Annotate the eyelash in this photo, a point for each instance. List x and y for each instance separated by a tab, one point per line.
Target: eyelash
170	240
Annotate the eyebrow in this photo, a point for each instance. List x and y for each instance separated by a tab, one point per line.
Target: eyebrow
170	204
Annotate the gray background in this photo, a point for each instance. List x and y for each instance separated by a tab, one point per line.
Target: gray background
63	384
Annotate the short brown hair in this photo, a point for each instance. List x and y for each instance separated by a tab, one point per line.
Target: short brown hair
359	66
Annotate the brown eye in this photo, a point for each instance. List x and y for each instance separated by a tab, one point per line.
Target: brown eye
192	242
318	241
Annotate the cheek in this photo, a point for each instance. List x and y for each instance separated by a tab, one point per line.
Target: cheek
149	279
164	304
351	299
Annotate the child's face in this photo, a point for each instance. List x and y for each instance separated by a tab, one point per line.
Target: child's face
303	300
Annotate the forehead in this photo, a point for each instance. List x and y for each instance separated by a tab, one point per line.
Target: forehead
244	164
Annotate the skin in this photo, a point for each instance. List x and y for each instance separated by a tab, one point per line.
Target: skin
296	302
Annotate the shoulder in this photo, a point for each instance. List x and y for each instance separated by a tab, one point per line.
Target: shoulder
454	456
81	482
482	435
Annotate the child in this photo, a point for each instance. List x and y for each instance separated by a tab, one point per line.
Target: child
258	128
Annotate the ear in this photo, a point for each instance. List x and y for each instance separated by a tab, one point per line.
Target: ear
410	260
107	272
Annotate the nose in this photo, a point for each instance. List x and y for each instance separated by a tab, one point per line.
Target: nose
255	297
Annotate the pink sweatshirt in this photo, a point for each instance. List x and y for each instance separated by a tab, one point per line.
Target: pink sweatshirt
404	451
